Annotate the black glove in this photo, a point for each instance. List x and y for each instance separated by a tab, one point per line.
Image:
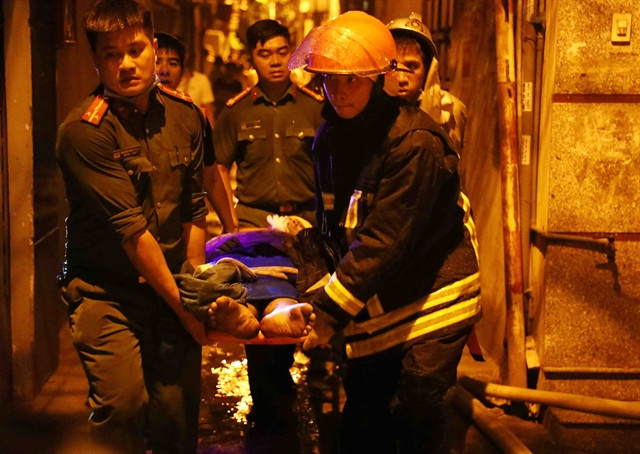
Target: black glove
312	255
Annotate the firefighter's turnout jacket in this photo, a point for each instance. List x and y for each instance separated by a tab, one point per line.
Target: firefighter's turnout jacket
388	195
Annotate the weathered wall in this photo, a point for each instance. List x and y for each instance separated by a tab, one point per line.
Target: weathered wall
588	175
472	69
76	76
5	307
20	169
594	180
586	60
595	141
588	186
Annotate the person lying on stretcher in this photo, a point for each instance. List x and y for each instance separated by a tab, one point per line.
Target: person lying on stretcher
246	292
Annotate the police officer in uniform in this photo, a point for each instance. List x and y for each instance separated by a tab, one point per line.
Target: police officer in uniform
267	131
131	158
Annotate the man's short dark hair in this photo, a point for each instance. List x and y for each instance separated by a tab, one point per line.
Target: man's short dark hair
167	41
263	30
113	15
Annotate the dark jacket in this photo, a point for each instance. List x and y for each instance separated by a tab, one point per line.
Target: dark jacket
389	197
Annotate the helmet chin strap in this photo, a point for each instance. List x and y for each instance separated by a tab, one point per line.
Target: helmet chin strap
131	99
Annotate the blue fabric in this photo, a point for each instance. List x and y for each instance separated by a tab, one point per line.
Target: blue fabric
260	260
269	288
249	243
257	248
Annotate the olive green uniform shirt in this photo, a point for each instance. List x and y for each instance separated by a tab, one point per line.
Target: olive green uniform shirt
124	172
270	141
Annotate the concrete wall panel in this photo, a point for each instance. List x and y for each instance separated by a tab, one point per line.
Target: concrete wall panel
593	177
587	322
586	60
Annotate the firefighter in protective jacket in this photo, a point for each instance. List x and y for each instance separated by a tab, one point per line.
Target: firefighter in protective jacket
405	290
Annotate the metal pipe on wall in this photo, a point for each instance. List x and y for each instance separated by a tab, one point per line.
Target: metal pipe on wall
507	126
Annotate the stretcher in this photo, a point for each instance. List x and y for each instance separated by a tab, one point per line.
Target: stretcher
218	336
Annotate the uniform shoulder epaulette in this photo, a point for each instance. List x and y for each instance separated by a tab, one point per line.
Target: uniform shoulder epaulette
96	110
231	101
175	93
317	96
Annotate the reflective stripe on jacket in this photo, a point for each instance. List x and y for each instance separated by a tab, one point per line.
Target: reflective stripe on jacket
409	264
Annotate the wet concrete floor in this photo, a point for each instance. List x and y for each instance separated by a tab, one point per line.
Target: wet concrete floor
226	402
225	427
56	421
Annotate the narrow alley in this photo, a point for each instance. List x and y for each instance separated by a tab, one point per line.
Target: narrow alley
56	422
545	95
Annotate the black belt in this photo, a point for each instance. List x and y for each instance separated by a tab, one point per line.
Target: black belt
285	208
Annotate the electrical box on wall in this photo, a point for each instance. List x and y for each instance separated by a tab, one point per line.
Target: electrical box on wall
621	28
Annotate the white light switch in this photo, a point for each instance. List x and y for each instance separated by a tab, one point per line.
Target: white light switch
621	28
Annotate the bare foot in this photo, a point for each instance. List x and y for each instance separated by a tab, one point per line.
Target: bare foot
288	320
233	318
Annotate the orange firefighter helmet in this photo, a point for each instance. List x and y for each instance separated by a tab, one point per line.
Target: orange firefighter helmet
352	43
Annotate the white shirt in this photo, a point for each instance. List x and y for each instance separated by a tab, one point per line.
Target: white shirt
197	87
